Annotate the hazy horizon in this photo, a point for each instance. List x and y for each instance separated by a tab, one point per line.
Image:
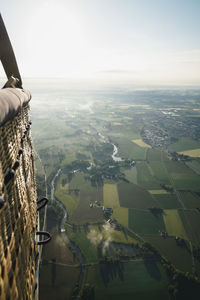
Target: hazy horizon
138	42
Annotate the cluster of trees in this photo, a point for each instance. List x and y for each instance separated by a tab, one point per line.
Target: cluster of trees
168	187
176	156
196	251
181	242
101	152
52	153
183	285
81	165
156	210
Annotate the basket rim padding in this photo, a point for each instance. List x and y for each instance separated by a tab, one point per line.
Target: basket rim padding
11	102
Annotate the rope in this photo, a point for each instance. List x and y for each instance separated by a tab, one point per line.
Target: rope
46	195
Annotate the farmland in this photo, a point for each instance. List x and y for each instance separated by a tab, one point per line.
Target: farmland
133	280
126	178
133	196
121	215
193	153
110	195
151	224
179	256
174	224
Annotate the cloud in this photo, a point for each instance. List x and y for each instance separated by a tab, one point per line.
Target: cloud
105	237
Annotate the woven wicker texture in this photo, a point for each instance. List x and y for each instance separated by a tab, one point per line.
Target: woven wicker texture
18	214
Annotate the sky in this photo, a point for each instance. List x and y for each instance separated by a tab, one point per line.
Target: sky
138	41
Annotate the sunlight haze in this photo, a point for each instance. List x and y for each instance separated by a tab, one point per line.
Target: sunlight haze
139	41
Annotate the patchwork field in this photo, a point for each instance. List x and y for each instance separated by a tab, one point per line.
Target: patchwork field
110	195
84	213
182	176
173	223
87	193
144	222
81	130
145	176
132	196
159	172
167	201
184	144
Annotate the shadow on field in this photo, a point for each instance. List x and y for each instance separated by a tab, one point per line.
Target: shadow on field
109	270
53	272
152	269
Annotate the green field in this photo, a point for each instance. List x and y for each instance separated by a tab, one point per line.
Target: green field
121	215
182	176
179	256
110	195
133	196
145	176
167	201
186	182
184	144
131	175
190	199
153	155
191	221
173	223
57	282
69	201
144	222
160	172
194	165
133	280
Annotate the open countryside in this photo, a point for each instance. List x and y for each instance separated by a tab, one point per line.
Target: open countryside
125	193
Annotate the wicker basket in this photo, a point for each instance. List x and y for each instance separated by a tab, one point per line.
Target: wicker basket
18	207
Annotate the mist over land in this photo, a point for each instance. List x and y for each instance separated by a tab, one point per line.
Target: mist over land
124	165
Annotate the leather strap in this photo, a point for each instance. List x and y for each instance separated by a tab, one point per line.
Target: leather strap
7	55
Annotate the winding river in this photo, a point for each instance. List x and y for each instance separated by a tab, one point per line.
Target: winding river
115	151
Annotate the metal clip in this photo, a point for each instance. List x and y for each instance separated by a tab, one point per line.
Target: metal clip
45	233
45	200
